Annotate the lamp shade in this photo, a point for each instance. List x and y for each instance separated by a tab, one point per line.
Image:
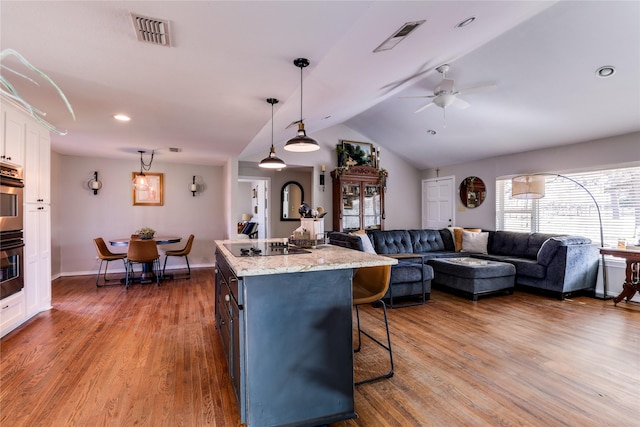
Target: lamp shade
301	143
527	187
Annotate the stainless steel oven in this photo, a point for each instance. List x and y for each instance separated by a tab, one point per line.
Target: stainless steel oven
11	189
11	262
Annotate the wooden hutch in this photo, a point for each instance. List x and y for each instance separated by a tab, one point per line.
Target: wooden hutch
358	198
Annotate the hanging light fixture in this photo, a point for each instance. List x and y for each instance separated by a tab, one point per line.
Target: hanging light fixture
271	161
140	181
301	142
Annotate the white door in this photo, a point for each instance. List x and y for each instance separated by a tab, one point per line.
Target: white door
438	201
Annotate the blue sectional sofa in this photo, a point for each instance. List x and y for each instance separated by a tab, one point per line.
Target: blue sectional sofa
556	263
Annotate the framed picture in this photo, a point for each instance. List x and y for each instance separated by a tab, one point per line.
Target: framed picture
152	196
352	153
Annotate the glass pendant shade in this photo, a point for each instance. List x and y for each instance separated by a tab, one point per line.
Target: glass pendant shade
527	187
271	161
140	182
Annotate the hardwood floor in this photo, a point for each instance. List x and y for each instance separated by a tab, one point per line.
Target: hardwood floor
151	357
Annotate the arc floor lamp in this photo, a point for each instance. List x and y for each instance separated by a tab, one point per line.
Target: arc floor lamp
532	186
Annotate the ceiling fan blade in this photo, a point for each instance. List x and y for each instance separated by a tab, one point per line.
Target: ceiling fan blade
420	96
459	103
480	88
425	107
293	124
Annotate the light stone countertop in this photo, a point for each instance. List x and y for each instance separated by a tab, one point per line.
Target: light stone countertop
324	257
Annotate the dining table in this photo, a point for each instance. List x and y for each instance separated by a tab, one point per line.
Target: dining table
148	275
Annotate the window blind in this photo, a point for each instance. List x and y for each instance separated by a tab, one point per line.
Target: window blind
567	208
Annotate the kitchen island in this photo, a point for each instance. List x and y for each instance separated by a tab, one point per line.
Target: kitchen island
284	317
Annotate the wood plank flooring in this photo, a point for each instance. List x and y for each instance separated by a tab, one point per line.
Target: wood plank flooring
151	357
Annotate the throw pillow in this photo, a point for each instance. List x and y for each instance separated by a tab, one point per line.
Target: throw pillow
475	242
367	246
456	233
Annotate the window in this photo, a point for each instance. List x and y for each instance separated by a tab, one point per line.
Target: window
567	208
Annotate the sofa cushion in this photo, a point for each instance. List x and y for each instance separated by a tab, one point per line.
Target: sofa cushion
426	241
409	271
391	241
345	240
535	242
510	243
528	267
456	234
367	246
474	242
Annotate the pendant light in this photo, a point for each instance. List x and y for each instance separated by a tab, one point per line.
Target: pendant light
301	142
271	161
140	181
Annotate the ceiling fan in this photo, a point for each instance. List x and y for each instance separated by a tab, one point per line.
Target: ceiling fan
446	95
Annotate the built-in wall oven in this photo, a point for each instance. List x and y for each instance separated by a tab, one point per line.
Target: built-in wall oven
11	189
11	263
11	235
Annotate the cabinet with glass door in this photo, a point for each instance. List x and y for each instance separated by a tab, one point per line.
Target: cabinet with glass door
358	199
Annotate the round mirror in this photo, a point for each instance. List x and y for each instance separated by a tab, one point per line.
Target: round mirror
472	192
291	197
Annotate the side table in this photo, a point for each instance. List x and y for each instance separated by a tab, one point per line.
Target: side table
632	274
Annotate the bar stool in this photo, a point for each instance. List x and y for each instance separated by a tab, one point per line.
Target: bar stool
369	286
105	255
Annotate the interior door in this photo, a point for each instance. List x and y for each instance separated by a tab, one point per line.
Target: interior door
438	201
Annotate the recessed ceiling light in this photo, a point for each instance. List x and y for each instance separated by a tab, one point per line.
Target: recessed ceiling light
466	22
122	117
431	132
606	71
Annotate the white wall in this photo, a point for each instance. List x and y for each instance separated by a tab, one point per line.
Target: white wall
597	154
78	216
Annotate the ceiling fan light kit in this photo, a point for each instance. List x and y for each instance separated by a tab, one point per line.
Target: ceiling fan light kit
445	94
301	143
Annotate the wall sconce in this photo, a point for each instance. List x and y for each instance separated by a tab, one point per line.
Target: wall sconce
322	170
94	184
193	187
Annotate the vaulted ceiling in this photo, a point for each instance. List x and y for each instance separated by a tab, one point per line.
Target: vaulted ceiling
205	93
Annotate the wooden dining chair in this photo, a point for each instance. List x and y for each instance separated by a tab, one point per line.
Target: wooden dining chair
106	256
143	252
184	252
369	286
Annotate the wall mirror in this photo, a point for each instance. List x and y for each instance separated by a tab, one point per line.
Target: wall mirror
472	192
291	197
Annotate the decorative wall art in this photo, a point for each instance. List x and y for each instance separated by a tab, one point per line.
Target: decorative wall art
352	153
152	195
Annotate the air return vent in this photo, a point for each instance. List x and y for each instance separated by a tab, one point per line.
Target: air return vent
151	30
398	36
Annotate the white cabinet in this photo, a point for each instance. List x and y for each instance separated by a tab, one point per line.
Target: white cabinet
37	256
37	168
12	312
12	137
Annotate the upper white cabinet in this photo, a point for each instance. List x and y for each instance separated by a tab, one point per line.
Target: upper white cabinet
12	137
37	166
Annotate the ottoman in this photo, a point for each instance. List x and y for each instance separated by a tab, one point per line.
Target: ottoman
473	276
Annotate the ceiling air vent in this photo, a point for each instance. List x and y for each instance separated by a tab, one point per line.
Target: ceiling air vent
398	36
151	30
